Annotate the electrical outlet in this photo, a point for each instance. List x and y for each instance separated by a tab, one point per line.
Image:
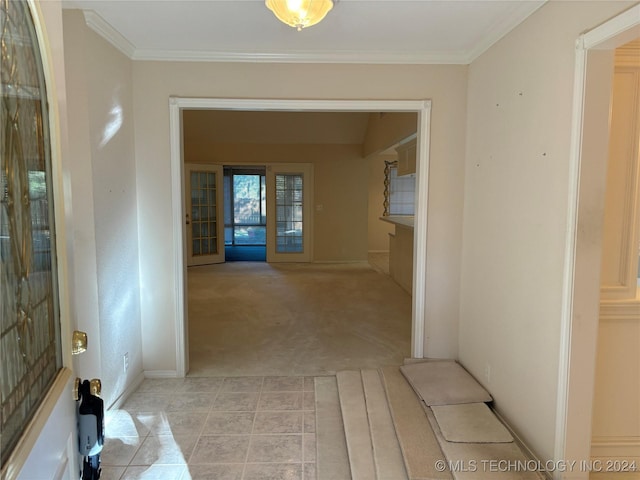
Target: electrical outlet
487	373
125	362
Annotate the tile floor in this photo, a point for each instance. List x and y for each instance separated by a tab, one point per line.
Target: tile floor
214	428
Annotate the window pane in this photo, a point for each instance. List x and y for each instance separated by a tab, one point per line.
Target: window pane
253	235
289	219
246	199
245	207
203	213
401	193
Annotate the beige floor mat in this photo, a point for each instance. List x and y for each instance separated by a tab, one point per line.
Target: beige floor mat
444	383
470	423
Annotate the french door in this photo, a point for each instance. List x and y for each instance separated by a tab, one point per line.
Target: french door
204	217
289	221
289	194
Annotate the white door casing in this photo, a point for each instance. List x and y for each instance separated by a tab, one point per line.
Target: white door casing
423	335
579	329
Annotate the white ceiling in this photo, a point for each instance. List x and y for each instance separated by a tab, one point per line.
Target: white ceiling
355	31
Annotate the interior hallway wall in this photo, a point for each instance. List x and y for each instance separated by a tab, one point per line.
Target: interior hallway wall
340	177
156	82
385	129
103	177
516	192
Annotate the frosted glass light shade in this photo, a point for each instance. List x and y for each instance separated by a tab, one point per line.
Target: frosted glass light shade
299	13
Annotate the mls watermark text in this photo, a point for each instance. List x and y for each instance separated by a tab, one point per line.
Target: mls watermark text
493	465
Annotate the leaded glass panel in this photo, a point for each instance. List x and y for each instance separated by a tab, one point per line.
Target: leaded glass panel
203	213
30	353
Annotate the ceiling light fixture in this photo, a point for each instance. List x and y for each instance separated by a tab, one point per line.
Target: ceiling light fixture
299	13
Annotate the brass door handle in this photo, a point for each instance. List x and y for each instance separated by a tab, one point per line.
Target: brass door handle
95	388
78	342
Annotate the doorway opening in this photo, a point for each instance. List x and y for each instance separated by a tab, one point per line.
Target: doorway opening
245	214
589	153
421	107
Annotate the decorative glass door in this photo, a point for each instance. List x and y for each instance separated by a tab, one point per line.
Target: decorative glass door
289	222
204	214
30	343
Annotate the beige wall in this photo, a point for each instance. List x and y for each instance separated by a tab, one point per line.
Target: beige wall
516	192
103	181
340	189
385	129
155	82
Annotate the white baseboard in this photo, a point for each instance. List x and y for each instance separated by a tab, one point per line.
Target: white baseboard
521	443
340	262
133	386
607	449
161	374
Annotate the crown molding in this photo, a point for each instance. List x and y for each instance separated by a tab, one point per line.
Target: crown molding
302	57
96	23
493	34
522	10
111	35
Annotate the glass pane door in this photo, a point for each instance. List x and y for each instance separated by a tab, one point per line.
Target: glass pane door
203	220
290	196
289	220
30	348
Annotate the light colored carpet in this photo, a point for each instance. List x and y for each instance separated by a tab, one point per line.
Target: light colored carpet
444	383
470	423
332	461
420	448
294	319
386	449
356	425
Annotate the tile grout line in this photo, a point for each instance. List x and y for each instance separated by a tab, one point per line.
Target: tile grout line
253	425
200	433
304	428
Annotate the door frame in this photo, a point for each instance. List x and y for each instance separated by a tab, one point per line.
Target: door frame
579	322
423	110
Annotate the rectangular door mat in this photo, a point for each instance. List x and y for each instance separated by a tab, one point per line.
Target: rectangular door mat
444	383
470	423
